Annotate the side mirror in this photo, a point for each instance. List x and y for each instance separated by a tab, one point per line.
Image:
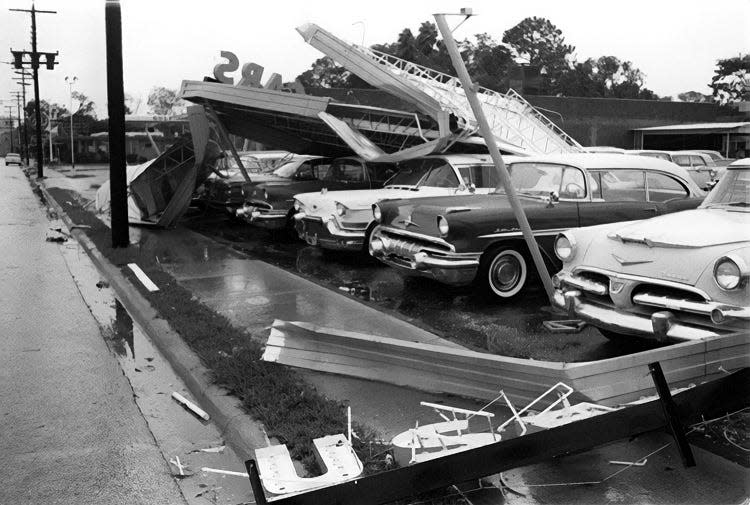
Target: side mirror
472	188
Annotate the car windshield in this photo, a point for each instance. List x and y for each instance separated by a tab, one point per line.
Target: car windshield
287	170
733	190
424	172
661	156
681	159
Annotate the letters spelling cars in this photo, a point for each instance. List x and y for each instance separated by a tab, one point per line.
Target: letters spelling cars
682	276
463	239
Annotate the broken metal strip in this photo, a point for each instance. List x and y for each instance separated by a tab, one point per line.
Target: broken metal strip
716	397
141	275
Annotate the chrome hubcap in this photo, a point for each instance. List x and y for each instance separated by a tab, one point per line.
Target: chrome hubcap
506	271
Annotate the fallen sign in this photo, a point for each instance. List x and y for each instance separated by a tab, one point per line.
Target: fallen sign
710	399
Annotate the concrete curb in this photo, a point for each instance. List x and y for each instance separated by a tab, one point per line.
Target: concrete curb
240	431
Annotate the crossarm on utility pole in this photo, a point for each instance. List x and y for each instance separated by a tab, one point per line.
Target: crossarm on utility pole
489	137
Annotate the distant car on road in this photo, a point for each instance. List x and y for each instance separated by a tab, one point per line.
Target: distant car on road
12	159
682	276
700	166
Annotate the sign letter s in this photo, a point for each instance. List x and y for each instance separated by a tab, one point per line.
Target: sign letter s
222	68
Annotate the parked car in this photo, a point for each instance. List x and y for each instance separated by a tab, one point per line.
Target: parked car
463	239
270	204
223	188
682	276
700	166
12	159
604	150
342	219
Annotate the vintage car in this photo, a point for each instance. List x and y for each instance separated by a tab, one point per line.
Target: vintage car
12	158
223	188
683	276
270	204
475	238
341	219
701	167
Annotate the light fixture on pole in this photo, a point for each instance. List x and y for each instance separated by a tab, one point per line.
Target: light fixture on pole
70	82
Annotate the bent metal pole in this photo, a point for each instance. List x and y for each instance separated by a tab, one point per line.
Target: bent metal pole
489	138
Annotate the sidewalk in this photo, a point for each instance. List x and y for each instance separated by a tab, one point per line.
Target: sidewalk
72	432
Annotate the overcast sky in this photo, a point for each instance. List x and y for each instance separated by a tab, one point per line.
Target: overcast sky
675	43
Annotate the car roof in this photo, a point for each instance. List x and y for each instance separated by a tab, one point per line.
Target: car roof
738	164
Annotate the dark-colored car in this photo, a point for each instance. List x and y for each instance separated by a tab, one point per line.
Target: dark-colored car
476	238
270	204
223	188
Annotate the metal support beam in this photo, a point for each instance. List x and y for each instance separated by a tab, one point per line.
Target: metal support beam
224	136
670	414
489	138
255	483
116	110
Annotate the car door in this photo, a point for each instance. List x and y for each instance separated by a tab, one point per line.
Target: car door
617	195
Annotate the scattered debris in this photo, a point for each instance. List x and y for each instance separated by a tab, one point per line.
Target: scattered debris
218	449
190	406
80	226
640	462
102	284
565	326
58	238
224	472
145	280
176	462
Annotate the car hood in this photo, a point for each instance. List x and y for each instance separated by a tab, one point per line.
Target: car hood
688	229
679	247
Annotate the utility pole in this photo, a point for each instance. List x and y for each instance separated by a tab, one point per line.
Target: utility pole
484	127
17	96
23	85
116	109
34	63
9	108
72	151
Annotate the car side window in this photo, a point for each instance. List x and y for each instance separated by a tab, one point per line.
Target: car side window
662	188
305	172
350	171
572	184
697	161
321	169
619	185
482	176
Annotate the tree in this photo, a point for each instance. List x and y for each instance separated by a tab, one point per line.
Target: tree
694	96
731	80
490	63
165	102
605	77
325	73
85	106
542	44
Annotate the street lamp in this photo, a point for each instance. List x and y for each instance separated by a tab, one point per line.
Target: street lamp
70	82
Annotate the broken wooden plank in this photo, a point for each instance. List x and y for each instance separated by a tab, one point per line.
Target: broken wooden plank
141	275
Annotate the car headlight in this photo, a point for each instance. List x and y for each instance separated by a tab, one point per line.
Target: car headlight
727	273
340	209
442	226
565	246
377	214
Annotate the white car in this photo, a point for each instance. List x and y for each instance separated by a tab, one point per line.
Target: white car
701	166
341	219
12	159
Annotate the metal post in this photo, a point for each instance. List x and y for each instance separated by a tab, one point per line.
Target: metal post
49	132
23	84
670	414
489	137
116	110
72	151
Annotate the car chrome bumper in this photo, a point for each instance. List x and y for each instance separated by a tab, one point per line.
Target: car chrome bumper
328	234
659	326
448	267
262	218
